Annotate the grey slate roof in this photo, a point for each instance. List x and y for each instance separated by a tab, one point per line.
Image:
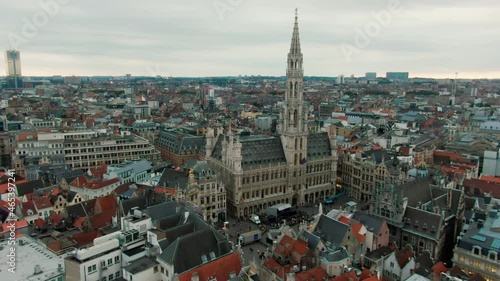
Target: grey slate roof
186	252
28	187
337	255
424	264
422	222
255	150
372	224
171	178
76	211
261	150
379	253
312	240
162	210
318	145
331	230
169	221
483	235
378	155
178	142
128	204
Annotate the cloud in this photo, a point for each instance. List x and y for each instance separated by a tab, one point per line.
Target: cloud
189	38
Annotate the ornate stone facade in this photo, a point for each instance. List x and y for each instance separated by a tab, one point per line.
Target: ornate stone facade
293	167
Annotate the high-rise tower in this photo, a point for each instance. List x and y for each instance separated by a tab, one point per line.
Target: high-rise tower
293	121
13	65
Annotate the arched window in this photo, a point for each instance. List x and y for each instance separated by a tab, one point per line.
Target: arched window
295	118
295	89
385	212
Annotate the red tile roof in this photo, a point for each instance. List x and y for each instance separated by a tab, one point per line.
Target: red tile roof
85	182
85	238
219	269
438	268
404	256
275	267
372	278
39	222
356	228
365	274
25	206
99	171
79	222
348	276
163	190
318	273
490	179
483	186
287	245
107	202
17	225
55	218
344	219
42	203
102	219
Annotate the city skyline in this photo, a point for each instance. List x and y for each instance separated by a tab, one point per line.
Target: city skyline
231	38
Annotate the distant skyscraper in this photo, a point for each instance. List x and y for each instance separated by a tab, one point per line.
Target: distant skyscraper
340	79
371	75
398	76
13	65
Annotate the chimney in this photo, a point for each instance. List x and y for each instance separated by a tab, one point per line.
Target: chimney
195	277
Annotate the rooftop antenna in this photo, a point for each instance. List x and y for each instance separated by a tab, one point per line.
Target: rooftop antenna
454	88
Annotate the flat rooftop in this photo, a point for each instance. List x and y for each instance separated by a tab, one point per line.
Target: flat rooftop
140	265
27	257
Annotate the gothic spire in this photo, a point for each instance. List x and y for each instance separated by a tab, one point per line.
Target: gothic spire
295	45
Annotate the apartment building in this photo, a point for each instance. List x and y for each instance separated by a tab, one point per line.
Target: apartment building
81	149
129	171
361	170
90	188
95	150
103	260
478	248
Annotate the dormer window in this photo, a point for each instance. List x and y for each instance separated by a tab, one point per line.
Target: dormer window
476	250
492	256
424	227
416	223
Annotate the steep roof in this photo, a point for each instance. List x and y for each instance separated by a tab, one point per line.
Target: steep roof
318	145
220	269
422	222
404	256
331	230
372	224
318	273
185	253
28	187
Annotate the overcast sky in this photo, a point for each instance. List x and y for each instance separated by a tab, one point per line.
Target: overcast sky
252	37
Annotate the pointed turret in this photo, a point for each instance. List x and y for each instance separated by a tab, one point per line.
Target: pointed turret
293	123
295	45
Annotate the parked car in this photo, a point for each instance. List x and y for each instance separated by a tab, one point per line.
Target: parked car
255	219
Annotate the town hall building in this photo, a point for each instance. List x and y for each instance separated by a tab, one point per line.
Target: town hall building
295	166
